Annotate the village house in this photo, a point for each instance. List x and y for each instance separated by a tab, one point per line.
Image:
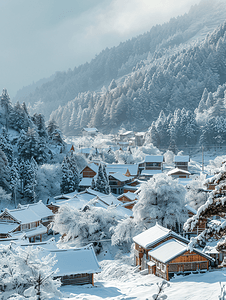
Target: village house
129	170
179	173
88	173
152	164
19	221
90	131
181	161
151	238
132	186
117	181
128	199
39	208
76	266
126	136
173	257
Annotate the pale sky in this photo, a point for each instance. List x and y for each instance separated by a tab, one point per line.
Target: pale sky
40	37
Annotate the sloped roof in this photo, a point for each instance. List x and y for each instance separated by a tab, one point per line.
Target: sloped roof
153	158
155	234
39	208
181	158
191	209
6	227
86	181
92	166
171	249
76	261
176	170
150	172
129	195
120	177
23	215
121	168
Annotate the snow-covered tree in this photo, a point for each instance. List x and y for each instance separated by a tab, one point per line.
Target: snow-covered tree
92	224
6	146
161	199
4	197
101	181
14	179
4	172
70	174
27	272
6	104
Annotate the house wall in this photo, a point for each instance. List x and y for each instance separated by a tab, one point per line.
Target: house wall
76	279
53	208
181	165
88	173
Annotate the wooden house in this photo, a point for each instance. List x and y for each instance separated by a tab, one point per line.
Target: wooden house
39	208
128	199
89	171
151	162
181	161
117	182
21	220
132	186
173	257
126	136
179	173
151	238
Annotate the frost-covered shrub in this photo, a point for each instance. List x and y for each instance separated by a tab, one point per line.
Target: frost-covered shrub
26	272
168	156
80	227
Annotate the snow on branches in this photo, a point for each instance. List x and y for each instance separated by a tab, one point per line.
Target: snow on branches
26	272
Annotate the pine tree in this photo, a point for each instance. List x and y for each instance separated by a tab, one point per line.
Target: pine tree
6	104
67	182
4	172
6	146
14	179
107	186
30	180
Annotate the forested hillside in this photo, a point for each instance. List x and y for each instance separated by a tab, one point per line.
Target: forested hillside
167	68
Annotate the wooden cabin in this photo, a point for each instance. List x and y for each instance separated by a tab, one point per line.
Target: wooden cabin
117	182
151	238
129	170
84	184
21	220
181	161
39	208
89	171
139	138
151	162
132	186
76	266
179	173
128	199
173	257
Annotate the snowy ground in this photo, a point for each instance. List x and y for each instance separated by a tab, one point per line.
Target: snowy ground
119	281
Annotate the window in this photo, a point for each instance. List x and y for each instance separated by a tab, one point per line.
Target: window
163	268
25	226
33	224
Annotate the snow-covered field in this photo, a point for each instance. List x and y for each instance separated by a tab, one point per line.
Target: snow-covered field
120	281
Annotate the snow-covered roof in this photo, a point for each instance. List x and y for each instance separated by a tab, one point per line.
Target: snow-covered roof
90	129
31	232
6	227
66	196
123	212
155	234
170	249
23	215
129	195
191	209
154	158
184	181
109	199
131	187
49	244
86	181
120	168
126	133
120	177
76	261
39	208
181	158
150	172
92	166
176	170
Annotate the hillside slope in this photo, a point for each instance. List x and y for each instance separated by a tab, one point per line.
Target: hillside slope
165	68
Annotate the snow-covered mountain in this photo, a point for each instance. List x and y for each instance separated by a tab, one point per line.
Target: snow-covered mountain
127	86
